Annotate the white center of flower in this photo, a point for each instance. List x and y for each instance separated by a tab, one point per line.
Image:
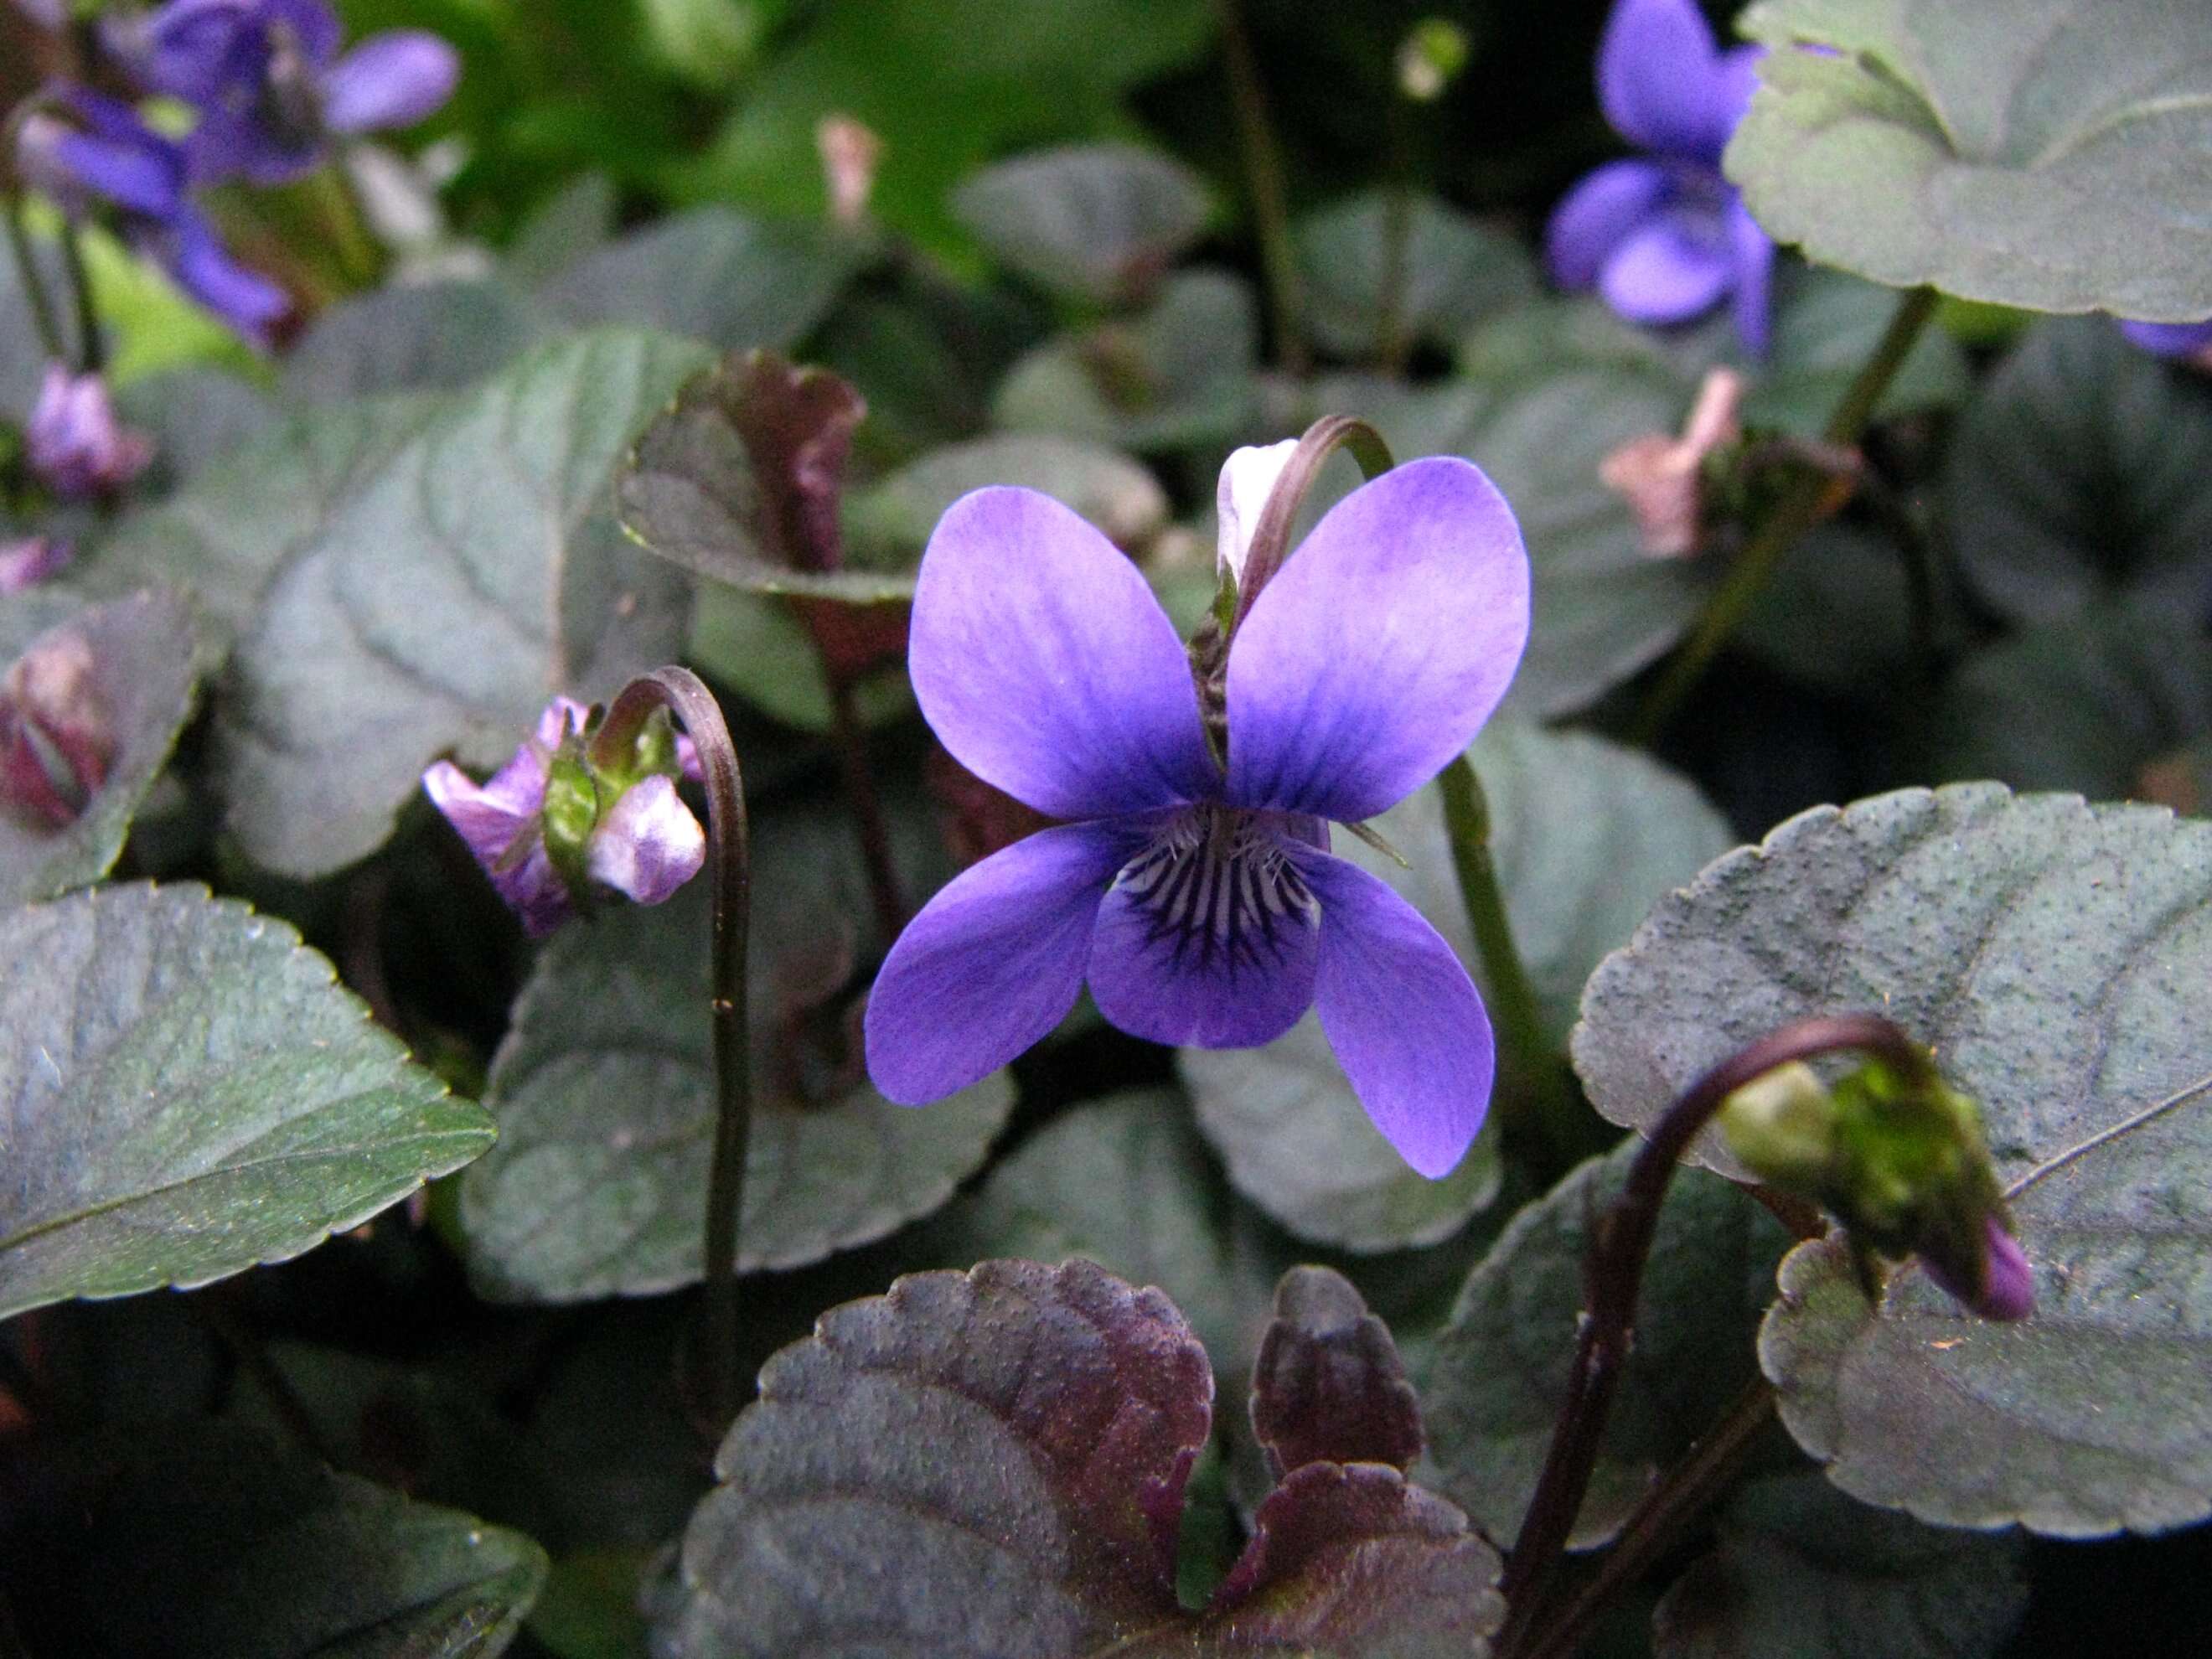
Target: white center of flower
1218	885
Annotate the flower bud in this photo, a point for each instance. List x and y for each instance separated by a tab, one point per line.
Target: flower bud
850	154
1783	1126
27	563
1430	57
75	444
1663	478
56	730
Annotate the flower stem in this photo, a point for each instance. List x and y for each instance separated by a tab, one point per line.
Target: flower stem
850	736
729	852
1263	173
27	271
337	201
91	347
1534	1073
1796	512
1619	1244
1271	536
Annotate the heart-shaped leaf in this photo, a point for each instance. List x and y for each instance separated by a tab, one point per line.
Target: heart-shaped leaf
428	336
2051	954
892	519
1328	1386
1102	222
1586	835
1498	1372
1454	272
135	657
605	1094
208	1542
194	417
2044	154
183	1093
1016	1440
1802	1570
1826	325
2079	472
472	573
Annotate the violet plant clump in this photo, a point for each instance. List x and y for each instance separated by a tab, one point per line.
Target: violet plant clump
1663	237
1194	891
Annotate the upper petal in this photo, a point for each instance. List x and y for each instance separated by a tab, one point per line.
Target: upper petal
1405	1022
1668	269
1044	664
991	964
1593	217
1660	79
389	79
1380	646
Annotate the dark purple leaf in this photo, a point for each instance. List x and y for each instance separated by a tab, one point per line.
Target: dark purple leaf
1328	1386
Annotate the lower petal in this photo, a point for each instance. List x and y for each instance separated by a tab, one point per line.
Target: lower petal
1592	219
1753	282
1668	271
1205	951
389	79
991	964
1405	1022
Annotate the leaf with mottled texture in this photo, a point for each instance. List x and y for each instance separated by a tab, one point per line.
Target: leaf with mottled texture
467	576
1497	1374
894	517
1455	271
140	653
1328	1386
1803	1572
993	1464
431	337
1100	222
2045	153
2053	954
183	1093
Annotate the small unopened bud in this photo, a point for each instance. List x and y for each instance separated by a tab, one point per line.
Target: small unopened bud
850	154
57	731
75	444
27	563
1247	478
1784	1127
1430	58
1663	477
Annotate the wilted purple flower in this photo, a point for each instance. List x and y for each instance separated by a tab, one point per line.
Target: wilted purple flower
645	845
2171	339
74	442
56	730
29	561
105	151
270	85
1200	898
1664	237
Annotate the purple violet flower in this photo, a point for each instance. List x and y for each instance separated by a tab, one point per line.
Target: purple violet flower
1199	899
76	446
271	86
1664	237
25	563
2171	339
105	151
645	845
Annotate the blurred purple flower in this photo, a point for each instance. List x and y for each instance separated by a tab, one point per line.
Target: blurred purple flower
1664	238
270	85
76	446
28	562
645	845
2171	339
1198	899
103	151
2008	1290
46	14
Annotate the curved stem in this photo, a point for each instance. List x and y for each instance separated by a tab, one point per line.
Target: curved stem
1271	536
1619	1244
1263	173
91	347
1798	511
729	852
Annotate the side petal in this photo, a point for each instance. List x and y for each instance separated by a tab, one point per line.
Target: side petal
1668	271
1380	646
2169	340
1593	217
1753	279
649	844
1658	76
1044	664
1405	1022
991	964
249	301
389	79
1204	952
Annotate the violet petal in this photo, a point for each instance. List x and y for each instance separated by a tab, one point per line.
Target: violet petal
2169	340
1044	664
389	79
1659	79
1404	1019
2009	1293
993	963
1380	646
203	267
1593	217
649	844
1752	281
1668	269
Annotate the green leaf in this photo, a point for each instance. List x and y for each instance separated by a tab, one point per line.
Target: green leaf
206	1542
605	1097
194	416
139	656
1328	1385
187	1094
1586	835
1498	1373
2080	470
1101	222
712	274
1837	615
1175	376
1826	325
430	337
2044	154
474	570
892	521
575	219
994	1463
2051	954
1457	271
1802	1572
753	644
